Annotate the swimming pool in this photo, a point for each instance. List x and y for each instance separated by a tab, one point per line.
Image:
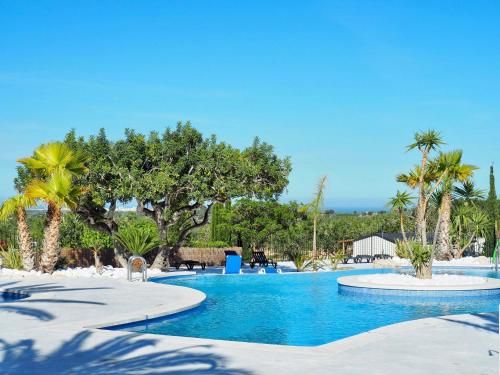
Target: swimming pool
302	309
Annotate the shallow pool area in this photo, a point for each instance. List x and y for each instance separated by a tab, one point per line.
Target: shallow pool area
303	309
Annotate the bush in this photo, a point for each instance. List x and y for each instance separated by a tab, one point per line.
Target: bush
138	240
420	256
402	249
12	259
72	228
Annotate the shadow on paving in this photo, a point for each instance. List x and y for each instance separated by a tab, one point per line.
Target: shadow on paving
489	322
31	290
27	311
116	356
45	287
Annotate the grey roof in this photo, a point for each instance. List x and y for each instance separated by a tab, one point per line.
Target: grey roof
393	236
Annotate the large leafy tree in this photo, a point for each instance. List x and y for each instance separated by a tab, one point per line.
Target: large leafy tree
175	178
256	224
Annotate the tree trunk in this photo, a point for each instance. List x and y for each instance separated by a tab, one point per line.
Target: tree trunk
443	245
25	241
420	221
402	225
161	261
51	249
425	272
314	252
97	259
120	256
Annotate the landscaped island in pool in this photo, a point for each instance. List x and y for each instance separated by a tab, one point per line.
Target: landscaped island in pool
297	309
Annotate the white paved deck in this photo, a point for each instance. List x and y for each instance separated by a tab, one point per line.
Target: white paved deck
47	334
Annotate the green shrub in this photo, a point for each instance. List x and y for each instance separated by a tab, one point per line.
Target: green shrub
12	259
137	240
420	256
402	249
72	228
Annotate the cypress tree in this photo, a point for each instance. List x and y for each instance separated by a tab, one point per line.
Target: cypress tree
492	209
215	222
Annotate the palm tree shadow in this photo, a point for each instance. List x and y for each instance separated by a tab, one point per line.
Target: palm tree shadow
115	356
28	311
489	322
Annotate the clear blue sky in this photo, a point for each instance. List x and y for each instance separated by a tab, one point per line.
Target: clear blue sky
340	86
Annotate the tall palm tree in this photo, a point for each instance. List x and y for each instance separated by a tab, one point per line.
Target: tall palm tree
400	202
53	157
313	209
58	192
55	164
18	205
425	142
451	164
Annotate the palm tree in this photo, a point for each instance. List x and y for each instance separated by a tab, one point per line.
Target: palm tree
400	203
425	142
58	192
139	241
476	222
18	204
55	164
468	192
314	210
450	163
53	157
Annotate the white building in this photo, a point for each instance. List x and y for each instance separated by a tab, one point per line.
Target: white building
376	244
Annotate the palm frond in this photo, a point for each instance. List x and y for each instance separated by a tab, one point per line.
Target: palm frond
138	240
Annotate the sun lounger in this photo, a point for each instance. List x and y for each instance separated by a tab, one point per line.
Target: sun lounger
258	257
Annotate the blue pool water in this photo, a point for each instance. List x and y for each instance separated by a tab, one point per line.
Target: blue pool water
297	309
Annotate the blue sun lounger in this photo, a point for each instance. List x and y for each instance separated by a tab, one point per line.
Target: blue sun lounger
233	265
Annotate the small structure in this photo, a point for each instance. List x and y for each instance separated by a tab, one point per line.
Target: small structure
378	245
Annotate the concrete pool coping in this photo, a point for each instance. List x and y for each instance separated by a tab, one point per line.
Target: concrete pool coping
109	300
355	282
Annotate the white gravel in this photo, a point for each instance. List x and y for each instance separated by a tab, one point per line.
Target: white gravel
408	280
480	261
90	272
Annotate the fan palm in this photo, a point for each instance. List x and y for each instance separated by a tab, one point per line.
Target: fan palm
53	157
313	209
18	205
477	223
468	192
450	163
58	192
400	202
139	241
